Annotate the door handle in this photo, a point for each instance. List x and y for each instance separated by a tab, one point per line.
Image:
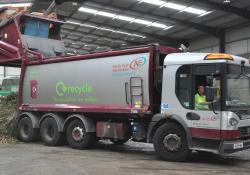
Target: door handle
193	116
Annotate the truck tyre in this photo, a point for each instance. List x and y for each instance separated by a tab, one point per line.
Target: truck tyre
25	130
170	142
50	134
77	136
119	141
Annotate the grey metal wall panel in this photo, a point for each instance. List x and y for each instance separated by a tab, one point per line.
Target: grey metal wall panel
237	42
93	81
1	75
9	72
237	48
248	45
238	34
215	49
206	50
203	42
1	70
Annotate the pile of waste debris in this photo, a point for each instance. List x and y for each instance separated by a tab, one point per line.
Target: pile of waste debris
8	119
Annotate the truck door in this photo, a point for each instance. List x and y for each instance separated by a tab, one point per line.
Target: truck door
205	116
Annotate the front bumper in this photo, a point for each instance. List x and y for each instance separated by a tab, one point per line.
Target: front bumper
232	146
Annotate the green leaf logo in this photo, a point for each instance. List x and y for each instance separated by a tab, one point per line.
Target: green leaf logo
64	88
60	88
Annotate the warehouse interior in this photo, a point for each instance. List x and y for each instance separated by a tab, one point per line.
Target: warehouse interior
104	25
105	86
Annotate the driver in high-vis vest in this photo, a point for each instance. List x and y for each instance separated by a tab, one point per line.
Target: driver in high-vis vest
200	99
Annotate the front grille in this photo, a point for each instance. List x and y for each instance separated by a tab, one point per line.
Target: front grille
244	131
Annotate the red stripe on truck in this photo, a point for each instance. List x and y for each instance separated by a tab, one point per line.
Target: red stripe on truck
214	133
84	108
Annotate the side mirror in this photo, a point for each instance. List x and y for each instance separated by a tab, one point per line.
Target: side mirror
210	91
209	80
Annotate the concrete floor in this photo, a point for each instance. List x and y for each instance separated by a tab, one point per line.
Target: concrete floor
107	159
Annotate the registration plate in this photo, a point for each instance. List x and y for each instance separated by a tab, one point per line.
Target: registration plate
238	145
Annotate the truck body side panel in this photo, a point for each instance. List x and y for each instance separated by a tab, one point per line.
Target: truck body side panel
89	84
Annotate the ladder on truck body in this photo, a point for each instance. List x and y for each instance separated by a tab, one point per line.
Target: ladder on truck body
136	92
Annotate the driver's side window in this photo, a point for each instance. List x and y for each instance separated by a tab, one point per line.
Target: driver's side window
183	86
200	99
191	87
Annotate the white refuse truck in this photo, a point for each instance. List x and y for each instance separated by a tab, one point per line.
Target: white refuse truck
145	93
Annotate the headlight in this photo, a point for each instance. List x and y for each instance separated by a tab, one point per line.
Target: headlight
233	122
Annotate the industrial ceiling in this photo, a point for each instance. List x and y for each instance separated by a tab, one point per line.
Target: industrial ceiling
100	25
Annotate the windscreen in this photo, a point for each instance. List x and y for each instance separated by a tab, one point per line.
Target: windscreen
238	87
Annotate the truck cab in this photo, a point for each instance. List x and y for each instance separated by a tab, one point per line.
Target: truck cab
222	127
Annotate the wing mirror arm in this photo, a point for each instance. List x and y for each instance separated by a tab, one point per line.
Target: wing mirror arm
210	91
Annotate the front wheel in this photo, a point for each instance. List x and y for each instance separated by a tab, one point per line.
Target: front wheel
170	142
77	136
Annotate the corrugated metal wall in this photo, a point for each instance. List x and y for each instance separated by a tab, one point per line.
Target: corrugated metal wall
237	42
8	72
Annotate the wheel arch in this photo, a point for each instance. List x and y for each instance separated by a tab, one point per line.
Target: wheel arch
88	123
59	120
33	117
160	119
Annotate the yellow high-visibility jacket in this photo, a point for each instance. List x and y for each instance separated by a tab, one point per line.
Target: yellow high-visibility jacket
198	100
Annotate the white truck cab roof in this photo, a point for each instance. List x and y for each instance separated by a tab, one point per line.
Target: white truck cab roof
191	58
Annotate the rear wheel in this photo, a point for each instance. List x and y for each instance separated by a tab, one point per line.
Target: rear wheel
25	130
50	134
77	136
170	142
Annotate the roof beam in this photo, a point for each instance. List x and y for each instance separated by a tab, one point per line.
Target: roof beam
225	7
129	42
165	40
97	35
214	31
222	43
156	38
